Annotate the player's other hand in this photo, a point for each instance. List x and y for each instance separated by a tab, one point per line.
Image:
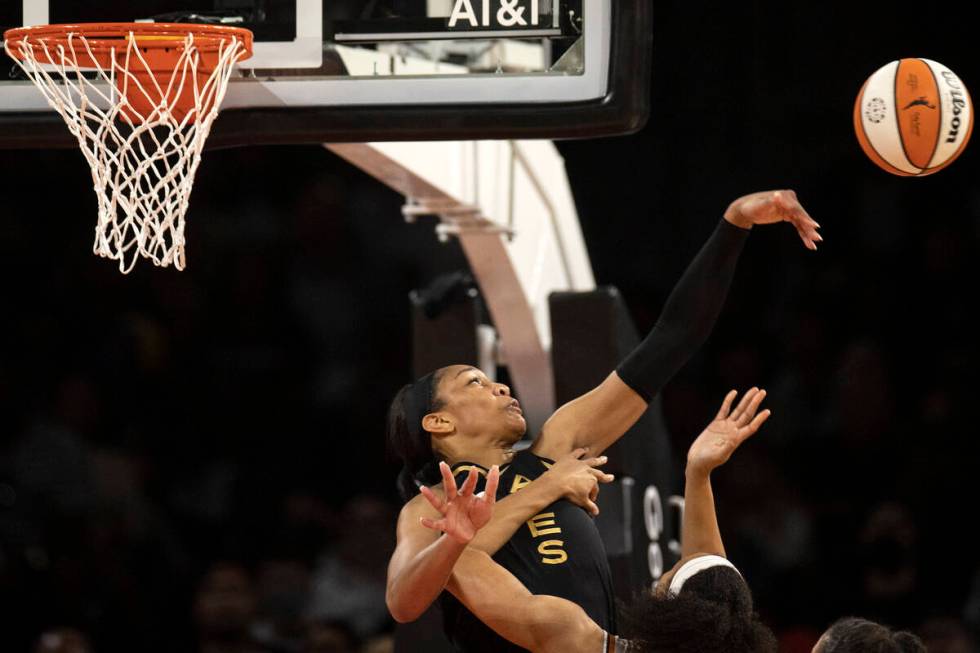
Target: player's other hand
463	513
773	206
730	428
576	477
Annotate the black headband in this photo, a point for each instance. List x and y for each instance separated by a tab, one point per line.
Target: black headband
420	404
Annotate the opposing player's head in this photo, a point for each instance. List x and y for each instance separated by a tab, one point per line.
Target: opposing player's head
701	605
851	635
451	414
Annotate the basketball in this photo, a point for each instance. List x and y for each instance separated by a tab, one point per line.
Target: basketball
913	117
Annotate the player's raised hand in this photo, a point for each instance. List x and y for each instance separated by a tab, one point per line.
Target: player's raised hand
773	206
729	429
463	513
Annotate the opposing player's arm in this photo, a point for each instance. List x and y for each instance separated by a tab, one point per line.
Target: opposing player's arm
710	450
539	623
601	416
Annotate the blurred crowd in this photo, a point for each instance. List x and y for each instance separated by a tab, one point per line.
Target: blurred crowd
194	461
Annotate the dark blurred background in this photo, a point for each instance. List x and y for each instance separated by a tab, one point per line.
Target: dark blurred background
194	461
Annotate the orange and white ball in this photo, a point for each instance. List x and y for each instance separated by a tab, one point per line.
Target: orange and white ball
913	117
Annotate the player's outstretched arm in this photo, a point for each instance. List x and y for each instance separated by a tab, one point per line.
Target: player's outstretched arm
712	449
601	416
539	623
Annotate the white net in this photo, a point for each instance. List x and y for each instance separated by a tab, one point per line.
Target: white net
142	131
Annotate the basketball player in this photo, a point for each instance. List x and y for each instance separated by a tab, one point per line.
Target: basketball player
457	417
702	604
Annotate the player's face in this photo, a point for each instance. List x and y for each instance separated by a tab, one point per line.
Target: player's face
480	407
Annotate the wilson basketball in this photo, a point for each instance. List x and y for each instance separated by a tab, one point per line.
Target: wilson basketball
913	117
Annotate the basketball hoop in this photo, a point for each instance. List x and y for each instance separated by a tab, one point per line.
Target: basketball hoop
140	98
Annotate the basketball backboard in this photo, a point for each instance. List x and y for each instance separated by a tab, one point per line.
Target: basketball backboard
374	70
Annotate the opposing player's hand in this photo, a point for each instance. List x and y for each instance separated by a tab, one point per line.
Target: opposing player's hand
577	478
773	206
463	513
729	429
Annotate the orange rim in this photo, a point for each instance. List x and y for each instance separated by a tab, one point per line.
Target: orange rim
104	38
161	49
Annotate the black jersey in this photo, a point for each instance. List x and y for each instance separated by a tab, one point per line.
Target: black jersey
558	552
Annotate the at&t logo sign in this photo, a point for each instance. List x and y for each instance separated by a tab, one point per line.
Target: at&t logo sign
494	13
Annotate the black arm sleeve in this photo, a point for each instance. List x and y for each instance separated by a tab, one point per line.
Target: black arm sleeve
689	314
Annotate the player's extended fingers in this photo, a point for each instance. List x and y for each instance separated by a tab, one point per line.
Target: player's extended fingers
448	482
469	484
593	507
726	405
753	426
805	215
804	220
806	237
752	408
597	461
740	408
436	525
794	212
807	233
434	499
812	228
603	477
493	478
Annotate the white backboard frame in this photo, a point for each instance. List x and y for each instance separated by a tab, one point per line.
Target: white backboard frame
306	51
387	90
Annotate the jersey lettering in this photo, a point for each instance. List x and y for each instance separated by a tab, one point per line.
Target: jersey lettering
519	483
552	552
539	524
544	524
